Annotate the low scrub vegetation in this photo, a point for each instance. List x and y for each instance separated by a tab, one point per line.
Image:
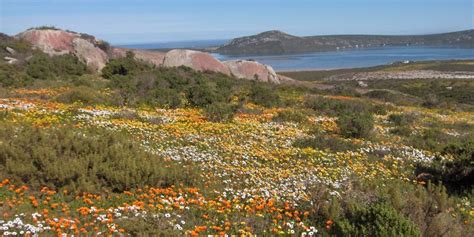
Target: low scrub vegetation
171	151
82	160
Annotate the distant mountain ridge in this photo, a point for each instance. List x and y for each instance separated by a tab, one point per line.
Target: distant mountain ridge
277	42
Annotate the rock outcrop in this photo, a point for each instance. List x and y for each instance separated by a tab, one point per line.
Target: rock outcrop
196	60
50	41
252	70
96	53
93	56
153	57
58	42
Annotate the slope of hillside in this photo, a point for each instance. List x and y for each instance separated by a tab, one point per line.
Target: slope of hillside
97	53
170	151
277	42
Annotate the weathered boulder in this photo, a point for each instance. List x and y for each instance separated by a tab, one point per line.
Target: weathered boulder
58	42
50	41
10	50
95	53
252	70
196	60
154	57
94	57
10	60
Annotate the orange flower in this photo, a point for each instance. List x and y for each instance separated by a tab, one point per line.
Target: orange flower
329	224
200	228
83	211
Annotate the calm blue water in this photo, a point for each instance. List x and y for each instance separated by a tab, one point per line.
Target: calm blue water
350	58
177	44
356	57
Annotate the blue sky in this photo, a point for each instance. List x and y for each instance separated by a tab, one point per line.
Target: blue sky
139	21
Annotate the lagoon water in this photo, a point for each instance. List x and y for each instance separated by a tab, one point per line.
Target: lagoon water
356	57
349	58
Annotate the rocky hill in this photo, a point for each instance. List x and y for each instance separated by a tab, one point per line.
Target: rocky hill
277	42
96	53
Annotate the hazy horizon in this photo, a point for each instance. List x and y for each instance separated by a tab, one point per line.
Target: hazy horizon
136	22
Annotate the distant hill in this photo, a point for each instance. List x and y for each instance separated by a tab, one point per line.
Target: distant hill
277	42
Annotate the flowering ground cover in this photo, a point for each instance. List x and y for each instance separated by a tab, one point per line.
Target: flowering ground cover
139	150
252	179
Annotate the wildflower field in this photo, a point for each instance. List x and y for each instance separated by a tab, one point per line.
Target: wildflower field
313	164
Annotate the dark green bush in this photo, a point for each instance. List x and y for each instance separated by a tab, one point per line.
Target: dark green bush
344	90
19	45
263	95
82	95
456	174
335	107
403	119
356	125
392	97
173	87
323	142
290	116
13	76
203	94
124	66
380	207
44	67
375	220
433	139
82	160
401	131
220	112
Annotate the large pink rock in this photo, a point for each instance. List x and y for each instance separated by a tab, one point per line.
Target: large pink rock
58	42
95	53
93	56
154	57
196	60
52	42
252	70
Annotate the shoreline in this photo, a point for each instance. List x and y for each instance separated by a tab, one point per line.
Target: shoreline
371	67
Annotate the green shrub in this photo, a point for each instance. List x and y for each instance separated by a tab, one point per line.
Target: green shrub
220	112
323	142
394	202
263	95
432	139
13	76
83	160
82	95
172	88
380	109
44	67
124	66
392	97
356	125
290	116
166	98
456	174
401	131
334	107
203	94
375	220
403	119
19	45
344	91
